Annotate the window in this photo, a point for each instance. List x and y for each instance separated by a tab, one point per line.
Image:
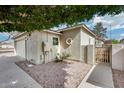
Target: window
55	41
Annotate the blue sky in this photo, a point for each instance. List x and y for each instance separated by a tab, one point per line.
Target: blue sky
3	36
114	25
112	33
116	33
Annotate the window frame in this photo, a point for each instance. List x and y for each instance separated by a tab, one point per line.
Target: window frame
55	41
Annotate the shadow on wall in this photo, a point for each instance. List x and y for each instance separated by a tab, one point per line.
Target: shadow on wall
74	48
118	59
84	53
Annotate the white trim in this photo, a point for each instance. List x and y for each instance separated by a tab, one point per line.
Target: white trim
89	30
69	28
59	31
52	32
17	36
49	31
73	27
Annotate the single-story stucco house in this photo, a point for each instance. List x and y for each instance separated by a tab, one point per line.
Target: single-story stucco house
78	41
99	42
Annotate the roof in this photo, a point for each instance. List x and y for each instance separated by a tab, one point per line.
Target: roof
108	42
54	32
122	40
78	26
24	33
101	39
61	30
18	35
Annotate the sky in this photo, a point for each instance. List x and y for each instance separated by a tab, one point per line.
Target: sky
3	36
114	25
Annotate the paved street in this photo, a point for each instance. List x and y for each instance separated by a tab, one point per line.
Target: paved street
11	76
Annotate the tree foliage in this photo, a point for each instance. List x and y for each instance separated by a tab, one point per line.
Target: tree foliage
29	18
115	41
99	30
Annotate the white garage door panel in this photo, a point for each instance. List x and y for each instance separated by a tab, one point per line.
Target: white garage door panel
20	48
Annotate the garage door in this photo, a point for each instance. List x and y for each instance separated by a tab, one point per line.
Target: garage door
20	48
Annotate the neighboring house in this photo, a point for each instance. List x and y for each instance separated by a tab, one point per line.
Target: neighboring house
7	45
7	48
108	42
122	41
99	42
78	41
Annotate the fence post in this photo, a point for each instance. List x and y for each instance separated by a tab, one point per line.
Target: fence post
90	54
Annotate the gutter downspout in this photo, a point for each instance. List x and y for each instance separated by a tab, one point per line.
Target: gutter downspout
26	49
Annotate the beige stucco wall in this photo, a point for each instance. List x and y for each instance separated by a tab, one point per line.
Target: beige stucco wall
47	38
74	48
90	54
32	48
83	53
99	43
19	45
86	39
81	38
118	56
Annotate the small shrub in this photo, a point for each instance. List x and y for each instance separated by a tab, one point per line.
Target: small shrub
61	57
58	58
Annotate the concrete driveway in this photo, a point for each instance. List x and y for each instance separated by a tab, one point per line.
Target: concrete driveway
102	76
11	76
99	77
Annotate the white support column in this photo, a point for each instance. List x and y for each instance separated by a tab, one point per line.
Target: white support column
90	54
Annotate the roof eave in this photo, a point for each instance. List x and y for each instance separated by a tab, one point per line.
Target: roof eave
58	33
78	26
21	34
84	26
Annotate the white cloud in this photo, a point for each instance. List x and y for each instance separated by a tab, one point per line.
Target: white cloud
122	35
116	21
101	19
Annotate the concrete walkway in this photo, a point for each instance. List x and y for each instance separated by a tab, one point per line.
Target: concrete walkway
11	76
100	76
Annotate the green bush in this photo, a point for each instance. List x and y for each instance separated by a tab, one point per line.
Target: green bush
61	57
115	41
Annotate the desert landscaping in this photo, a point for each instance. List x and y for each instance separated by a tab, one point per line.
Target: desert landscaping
53	75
